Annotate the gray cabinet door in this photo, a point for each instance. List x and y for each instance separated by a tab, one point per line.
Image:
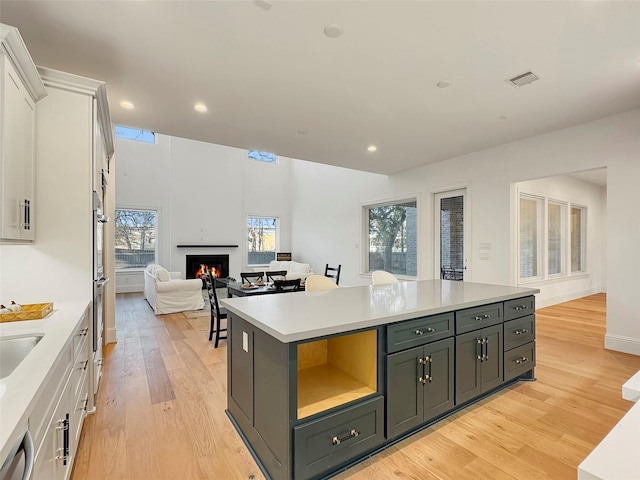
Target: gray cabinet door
404	391
420	385
468	366
479	360
494	354
438	389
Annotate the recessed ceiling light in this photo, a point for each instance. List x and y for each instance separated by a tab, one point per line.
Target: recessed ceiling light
200	107
444	83
127	104
333	30
372	148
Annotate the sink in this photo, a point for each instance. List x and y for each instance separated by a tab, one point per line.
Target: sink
13	350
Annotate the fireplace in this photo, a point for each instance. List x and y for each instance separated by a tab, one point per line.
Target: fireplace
198	265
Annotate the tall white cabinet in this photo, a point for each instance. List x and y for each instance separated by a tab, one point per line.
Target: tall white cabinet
73	144
20	89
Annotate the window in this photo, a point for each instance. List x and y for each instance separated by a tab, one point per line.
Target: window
135	134
262	239
263	156
135	238
547	256
530	233
578	234
391	237
556	227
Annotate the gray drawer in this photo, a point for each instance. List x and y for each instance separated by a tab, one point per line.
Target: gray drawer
519	360
478	317
413	333
519	307
328	442
520	331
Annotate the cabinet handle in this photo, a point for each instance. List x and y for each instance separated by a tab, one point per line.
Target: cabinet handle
520	332
26	225
481	356
428	359
83	365
486	349
63	453
482	317
352	434
428	330
521	360
520	307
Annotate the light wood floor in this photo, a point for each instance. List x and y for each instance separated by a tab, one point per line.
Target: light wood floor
160	412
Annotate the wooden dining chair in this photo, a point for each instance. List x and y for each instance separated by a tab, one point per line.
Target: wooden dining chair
333	273
217	313
292	285
276	275
252	277
319	282
380	277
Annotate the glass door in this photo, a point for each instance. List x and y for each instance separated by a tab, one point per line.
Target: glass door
450	227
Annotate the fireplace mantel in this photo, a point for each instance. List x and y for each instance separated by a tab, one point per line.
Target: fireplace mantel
205	245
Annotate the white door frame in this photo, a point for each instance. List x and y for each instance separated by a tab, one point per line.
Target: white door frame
437	197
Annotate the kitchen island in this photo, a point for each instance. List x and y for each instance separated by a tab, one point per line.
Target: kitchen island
320	380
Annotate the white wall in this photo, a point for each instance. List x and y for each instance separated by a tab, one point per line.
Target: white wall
204	193
328	230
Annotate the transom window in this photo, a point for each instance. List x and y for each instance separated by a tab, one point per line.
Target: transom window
262	156
135	238
391	237
262	239
136	134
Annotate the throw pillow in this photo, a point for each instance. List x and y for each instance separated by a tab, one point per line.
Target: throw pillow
162	275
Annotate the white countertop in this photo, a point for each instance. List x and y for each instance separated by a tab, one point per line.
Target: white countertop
19	390
617	456
290	317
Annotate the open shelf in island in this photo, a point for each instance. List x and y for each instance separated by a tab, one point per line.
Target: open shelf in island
335	371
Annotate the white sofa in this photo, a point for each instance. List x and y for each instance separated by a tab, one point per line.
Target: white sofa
167	292
294	269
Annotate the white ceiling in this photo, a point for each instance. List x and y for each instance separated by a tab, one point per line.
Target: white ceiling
273	81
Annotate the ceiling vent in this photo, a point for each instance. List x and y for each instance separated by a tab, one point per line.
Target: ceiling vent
523	79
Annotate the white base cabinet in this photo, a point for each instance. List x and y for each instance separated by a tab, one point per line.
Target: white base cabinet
56	422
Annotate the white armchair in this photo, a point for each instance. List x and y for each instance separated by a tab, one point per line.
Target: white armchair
167	292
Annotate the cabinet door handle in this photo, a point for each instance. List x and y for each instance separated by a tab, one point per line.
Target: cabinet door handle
486	349
352	434
429	359
63	453
479	342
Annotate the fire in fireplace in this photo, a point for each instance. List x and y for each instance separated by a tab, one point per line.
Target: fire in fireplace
198	265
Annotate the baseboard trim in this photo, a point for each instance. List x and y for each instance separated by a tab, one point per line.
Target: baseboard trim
129	288
541	303
622	344
110	335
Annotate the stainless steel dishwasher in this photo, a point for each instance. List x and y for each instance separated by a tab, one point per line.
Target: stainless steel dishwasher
19	463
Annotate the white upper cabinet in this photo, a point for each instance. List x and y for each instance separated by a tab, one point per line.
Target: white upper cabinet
20	88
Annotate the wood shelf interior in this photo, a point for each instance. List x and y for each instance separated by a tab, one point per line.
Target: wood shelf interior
335	371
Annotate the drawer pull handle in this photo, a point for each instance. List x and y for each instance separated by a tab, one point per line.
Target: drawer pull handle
482	317
521	360
352	434
520	307
428	330
520	332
